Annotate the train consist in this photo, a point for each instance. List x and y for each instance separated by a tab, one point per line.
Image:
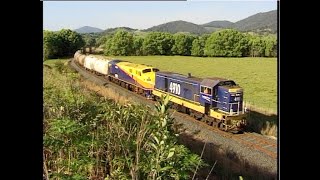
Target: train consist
216	101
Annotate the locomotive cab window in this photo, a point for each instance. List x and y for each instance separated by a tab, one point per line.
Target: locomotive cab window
155	70
146	70
206	90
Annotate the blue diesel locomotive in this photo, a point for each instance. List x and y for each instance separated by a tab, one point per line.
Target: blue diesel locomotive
216	101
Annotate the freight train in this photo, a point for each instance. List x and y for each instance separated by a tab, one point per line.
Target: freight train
216	101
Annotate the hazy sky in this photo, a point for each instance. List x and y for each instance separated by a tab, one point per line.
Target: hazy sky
142	14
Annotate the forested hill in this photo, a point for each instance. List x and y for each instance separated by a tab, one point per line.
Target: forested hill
266	21
179	26
219	24
260	22
112	30
88	29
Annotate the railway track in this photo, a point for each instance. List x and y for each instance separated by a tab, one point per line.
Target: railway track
259	142
252	141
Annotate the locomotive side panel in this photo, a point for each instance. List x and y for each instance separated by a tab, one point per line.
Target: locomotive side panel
178	85
118	73
183	91
142	75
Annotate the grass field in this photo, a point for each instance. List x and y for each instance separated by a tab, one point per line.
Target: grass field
258	76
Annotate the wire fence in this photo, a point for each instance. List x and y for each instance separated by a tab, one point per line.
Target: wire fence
250	106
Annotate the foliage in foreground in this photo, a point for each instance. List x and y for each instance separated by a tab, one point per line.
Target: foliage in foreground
89	137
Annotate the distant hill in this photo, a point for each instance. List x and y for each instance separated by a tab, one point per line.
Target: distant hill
266	21
260	23
219	24
112	30
178	26
88	29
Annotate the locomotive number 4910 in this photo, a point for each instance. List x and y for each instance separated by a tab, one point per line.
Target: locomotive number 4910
174	88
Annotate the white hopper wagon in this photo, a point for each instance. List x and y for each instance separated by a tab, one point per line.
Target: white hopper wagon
89	62
101	66
79	57
76	55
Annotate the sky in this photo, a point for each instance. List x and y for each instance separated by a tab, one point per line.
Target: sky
142	14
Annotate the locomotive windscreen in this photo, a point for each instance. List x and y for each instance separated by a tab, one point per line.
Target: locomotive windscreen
146	70
227	83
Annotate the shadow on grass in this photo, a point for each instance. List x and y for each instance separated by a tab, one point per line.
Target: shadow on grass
265	124
228	166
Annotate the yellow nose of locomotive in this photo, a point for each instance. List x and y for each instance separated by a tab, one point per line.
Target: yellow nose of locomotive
150	76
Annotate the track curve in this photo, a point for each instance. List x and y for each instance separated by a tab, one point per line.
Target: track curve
258	150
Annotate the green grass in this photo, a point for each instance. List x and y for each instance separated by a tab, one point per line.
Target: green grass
51	62
258	76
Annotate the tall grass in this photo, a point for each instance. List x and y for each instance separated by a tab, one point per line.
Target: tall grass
90	137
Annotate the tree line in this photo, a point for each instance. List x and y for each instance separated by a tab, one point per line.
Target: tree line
224	43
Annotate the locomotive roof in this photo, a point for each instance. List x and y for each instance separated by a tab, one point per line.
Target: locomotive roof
210	82
217	79
174	74
137	66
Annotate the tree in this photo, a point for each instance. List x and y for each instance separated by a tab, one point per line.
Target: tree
102	40
62	43
89	42
50	43
121	44
70	42
182	44
256	46
198	45
108	47
137	46
271	46
158	43
226	43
